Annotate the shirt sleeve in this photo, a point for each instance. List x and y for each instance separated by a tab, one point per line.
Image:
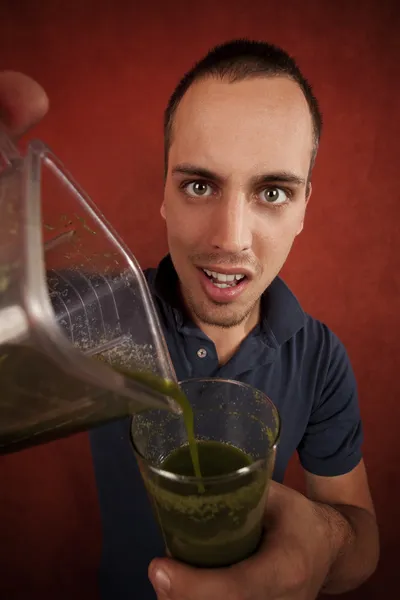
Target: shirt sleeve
332	442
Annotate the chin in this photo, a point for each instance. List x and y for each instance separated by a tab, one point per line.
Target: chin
220	316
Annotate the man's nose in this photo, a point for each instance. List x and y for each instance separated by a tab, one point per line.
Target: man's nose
230	230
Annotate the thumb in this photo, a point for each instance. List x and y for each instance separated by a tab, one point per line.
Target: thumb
173	580
23	102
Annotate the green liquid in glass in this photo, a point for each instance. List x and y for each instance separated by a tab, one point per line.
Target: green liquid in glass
222	525
216	459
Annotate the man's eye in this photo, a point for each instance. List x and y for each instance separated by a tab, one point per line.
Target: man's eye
274	195
198	189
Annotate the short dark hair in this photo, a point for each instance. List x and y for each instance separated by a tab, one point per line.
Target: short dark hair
237	60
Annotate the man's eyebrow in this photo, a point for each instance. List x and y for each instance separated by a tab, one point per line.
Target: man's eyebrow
278	177
266	178
195	171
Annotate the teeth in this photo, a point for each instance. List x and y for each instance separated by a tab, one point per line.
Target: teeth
222	285
224	277
219	276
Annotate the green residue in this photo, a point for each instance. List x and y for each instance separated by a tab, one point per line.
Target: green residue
85	225
89	229
67	219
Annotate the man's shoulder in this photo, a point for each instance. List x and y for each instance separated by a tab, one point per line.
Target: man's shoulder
150	276
161	278
290	323
321	349
316	328
321	334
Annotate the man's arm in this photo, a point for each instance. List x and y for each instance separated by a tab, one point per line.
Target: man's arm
336	479
344	503
307	544
326	540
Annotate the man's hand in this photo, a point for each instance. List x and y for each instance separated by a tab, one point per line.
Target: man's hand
23	102
292	564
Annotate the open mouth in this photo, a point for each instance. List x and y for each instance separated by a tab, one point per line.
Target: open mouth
224	280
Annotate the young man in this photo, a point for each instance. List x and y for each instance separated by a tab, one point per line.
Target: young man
241	135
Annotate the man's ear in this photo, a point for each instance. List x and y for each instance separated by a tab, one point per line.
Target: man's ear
308	191
162	211
308	196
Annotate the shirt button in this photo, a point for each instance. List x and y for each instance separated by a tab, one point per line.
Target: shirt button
202	353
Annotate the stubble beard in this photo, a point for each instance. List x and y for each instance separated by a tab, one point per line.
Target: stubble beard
222	316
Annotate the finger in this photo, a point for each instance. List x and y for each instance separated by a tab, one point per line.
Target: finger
175	581
23	102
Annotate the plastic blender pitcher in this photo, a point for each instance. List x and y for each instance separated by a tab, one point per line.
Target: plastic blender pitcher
70	293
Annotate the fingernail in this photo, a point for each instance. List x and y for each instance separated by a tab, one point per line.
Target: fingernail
162	582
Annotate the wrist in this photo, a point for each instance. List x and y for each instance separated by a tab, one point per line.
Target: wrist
337	534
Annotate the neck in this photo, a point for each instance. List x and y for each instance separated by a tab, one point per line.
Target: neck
228	339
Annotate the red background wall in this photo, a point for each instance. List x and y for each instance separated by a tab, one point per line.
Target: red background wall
108	72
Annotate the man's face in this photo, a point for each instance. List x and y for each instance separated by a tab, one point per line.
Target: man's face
236	191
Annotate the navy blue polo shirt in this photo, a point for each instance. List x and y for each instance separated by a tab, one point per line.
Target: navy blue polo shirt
296	360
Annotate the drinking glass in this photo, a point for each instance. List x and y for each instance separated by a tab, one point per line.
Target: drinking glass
217	520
